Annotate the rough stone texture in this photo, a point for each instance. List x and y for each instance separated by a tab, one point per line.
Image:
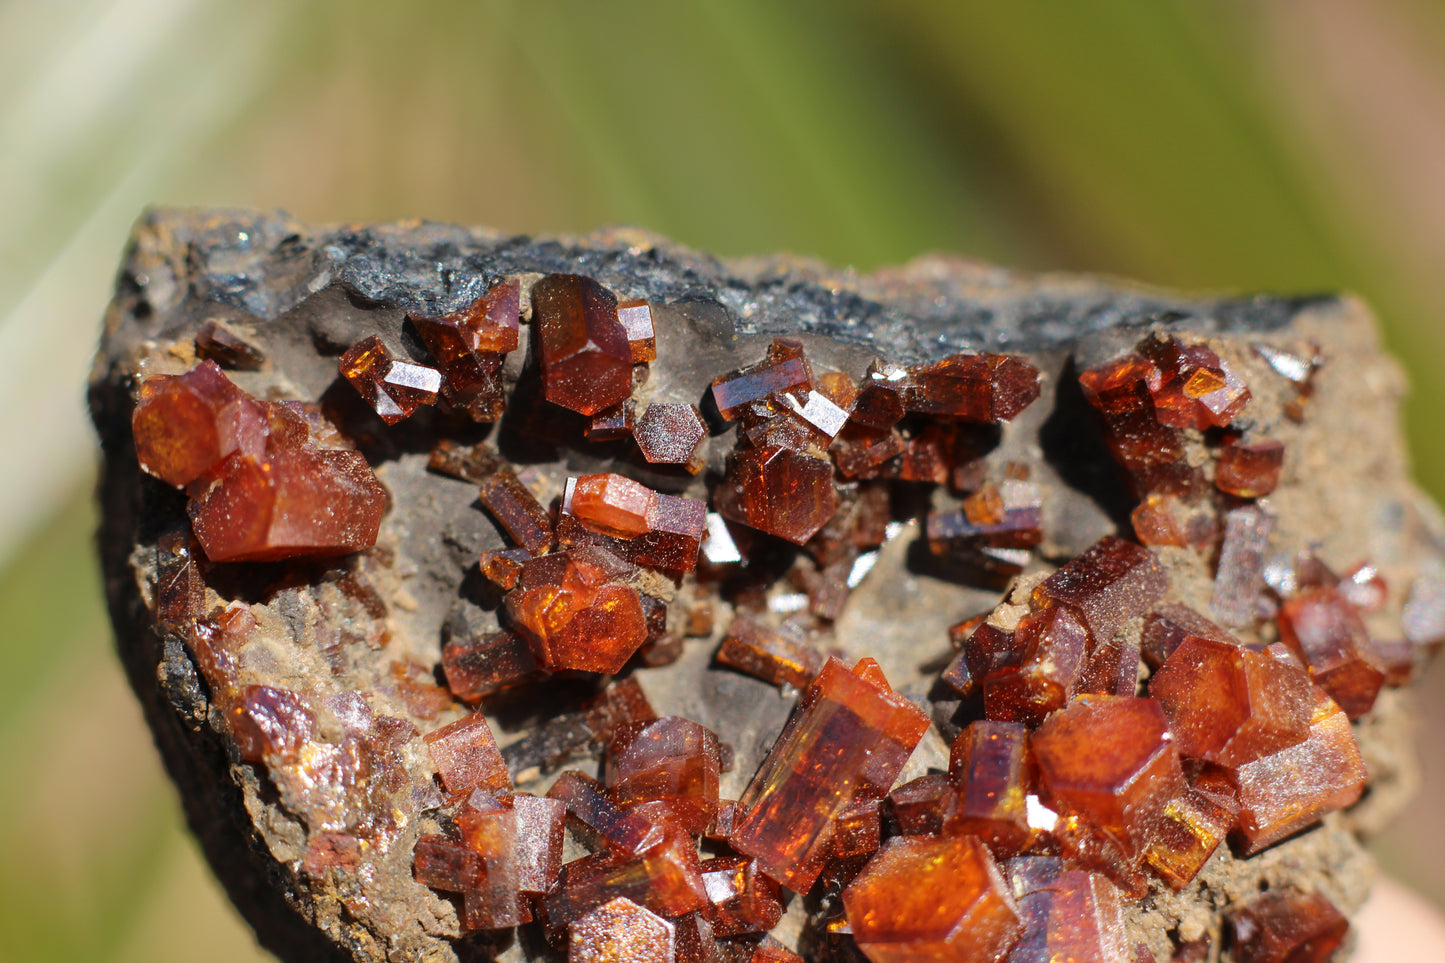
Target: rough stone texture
302	295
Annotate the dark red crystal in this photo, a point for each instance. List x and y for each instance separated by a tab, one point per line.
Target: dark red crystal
585	355
1326	632
770	655
1106	586
973	387
778	491
1287	926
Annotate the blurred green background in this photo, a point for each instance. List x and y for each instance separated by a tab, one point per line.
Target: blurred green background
1221	145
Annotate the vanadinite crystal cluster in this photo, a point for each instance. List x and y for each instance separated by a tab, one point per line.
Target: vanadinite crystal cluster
593	599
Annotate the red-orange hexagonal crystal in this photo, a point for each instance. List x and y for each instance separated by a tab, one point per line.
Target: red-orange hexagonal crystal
925	898
575	614
1286	791
671	434
1229	705
1111	760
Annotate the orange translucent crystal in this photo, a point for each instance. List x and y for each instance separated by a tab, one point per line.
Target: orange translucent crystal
468	347
989	765
932	899
1196	388
185	425
1151	452
1170	625
670	761
740	898
395	389
1289	790
217	342
785	369
476	667
540	827
848	737
493	900
1249	469
1112	761
880	400
1229	705
613	504
636	318
672	534
1050	647
664	877
575	611
517	510
1193	825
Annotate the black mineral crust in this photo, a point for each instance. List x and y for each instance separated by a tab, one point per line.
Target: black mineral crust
298	296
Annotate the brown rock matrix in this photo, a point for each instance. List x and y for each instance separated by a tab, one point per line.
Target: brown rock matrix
505	599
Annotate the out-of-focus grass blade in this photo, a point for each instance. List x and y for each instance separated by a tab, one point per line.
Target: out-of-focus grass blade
1114	116
737	127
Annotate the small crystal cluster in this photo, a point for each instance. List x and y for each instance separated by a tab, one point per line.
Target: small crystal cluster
266	480
1110	740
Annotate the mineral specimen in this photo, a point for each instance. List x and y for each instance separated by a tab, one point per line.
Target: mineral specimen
1112	761
367	686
